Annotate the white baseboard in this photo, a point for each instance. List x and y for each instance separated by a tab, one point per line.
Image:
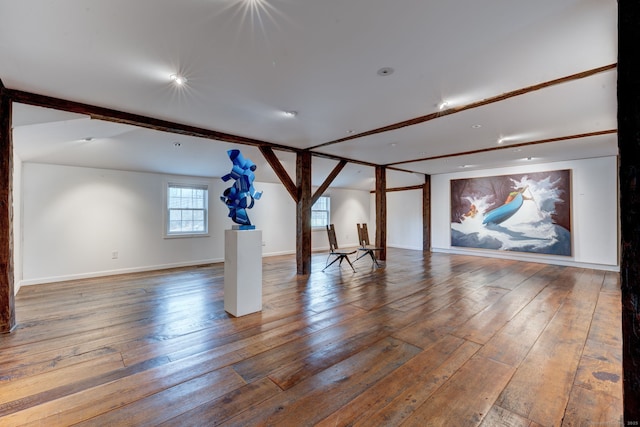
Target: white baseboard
413	248
89	275
93	274
517	256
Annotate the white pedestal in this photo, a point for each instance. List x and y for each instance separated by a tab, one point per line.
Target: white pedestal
242	271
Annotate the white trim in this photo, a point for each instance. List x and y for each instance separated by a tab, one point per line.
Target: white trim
413	248
187	182
90	275
529	258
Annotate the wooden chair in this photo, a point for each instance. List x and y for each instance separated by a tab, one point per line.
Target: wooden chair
340	254
365	247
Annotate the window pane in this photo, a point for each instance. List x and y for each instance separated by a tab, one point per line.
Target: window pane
320	212
187	209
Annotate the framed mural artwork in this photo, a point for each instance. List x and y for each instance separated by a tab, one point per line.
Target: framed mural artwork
529	212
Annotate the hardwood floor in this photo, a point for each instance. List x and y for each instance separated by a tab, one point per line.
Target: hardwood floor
429	339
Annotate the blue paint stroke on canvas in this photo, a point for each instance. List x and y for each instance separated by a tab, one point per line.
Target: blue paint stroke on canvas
521	213
241	196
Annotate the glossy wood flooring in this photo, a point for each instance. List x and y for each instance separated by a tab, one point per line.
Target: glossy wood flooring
433	339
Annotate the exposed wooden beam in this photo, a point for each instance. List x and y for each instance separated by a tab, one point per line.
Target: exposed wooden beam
407	188
303	213
332	157
115	116
629	181
381	211
7	300
426	214
280	171
327	182
477	104
510	146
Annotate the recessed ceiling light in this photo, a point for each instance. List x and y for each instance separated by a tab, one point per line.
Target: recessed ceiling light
88	139
178	79
393	144
385	71
476	126
443	105
501	140
291	113
464	166
177	144
529	158
351	131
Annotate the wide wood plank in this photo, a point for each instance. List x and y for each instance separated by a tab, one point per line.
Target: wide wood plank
467	397
312	400
397	396
541	387
424	338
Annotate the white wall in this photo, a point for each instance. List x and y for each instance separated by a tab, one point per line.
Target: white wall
594	210
404	219
74	218
17	222
348	208
69	220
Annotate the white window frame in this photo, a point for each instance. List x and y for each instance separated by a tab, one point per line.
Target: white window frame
327	210
167	209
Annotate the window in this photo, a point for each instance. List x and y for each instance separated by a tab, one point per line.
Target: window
320	212
186	209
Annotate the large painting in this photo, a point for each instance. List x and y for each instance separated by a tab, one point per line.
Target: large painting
525	212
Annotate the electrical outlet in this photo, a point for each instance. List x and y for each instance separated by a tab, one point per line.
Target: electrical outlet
114	255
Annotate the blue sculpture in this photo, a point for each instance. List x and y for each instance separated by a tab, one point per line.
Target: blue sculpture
241	195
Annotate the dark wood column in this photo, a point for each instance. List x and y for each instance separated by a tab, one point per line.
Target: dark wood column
381	211
7	303
303	212
426	214
629	169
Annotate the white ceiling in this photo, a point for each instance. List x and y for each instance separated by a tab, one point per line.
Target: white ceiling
248	61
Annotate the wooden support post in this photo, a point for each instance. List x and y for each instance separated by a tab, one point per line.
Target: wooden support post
426	214
629	178
381	211
7	302
303	212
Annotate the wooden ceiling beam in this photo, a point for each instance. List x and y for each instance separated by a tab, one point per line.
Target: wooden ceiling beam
509	146
115	116
477	104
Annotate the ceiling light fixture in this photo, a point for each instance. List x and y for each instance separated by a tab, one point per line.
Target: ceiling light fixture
178	79
476	126
290	113
385	71
88	139
177	144
443	105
